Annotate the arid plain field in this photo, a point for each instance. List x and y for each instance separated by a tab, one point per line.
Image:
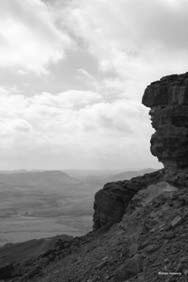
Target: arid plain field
39	204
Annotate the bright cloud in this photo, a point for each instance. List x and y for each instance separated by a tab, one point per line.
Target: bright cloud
139	40
72	121
29	38
87	112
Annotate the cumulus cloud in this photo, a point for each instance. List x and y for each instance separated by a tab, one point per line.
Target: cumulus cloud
138	40
29	37
81	124
119	47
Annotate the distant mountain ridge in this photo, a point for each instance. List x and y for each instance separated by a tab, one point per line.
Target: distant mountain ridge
36	179
130	174
103	176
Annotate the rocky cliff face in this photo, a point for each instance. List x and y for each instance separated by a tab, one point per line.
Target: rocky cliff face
140	225
168	100
112	201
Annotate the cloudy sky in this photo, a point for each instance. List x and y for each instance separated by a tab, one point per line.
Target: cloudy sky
72	75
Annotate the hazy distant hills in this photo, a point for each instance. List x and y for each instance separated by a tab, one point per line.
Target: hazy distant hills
36	204
104	176
98	177
36	179
130	174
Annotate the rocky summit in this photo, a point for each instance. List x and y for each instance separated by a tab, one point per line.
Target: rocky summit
140	230
168	100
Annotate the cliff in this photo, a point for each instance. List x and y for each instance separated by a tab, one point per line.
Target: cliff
168	100
140	225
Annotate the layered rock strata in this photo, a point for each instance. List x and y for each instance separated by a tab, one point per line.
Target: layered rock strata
168	100
111	202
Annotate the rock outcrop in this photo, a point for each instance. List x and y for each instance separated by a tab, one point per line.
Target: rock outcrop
168	100
111	202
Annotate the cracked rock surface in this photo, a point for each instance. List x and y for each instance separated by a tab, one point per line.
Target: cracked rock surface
168	100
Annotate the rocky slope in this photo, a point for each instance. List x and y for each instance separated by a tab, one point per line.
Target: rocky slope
140	225
111	202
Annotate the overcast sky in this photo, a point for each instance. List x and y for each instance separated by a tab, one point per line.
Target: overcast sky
72	75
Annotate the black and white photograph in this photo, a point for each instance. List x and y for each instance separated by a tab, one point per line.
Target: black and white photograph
93	140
